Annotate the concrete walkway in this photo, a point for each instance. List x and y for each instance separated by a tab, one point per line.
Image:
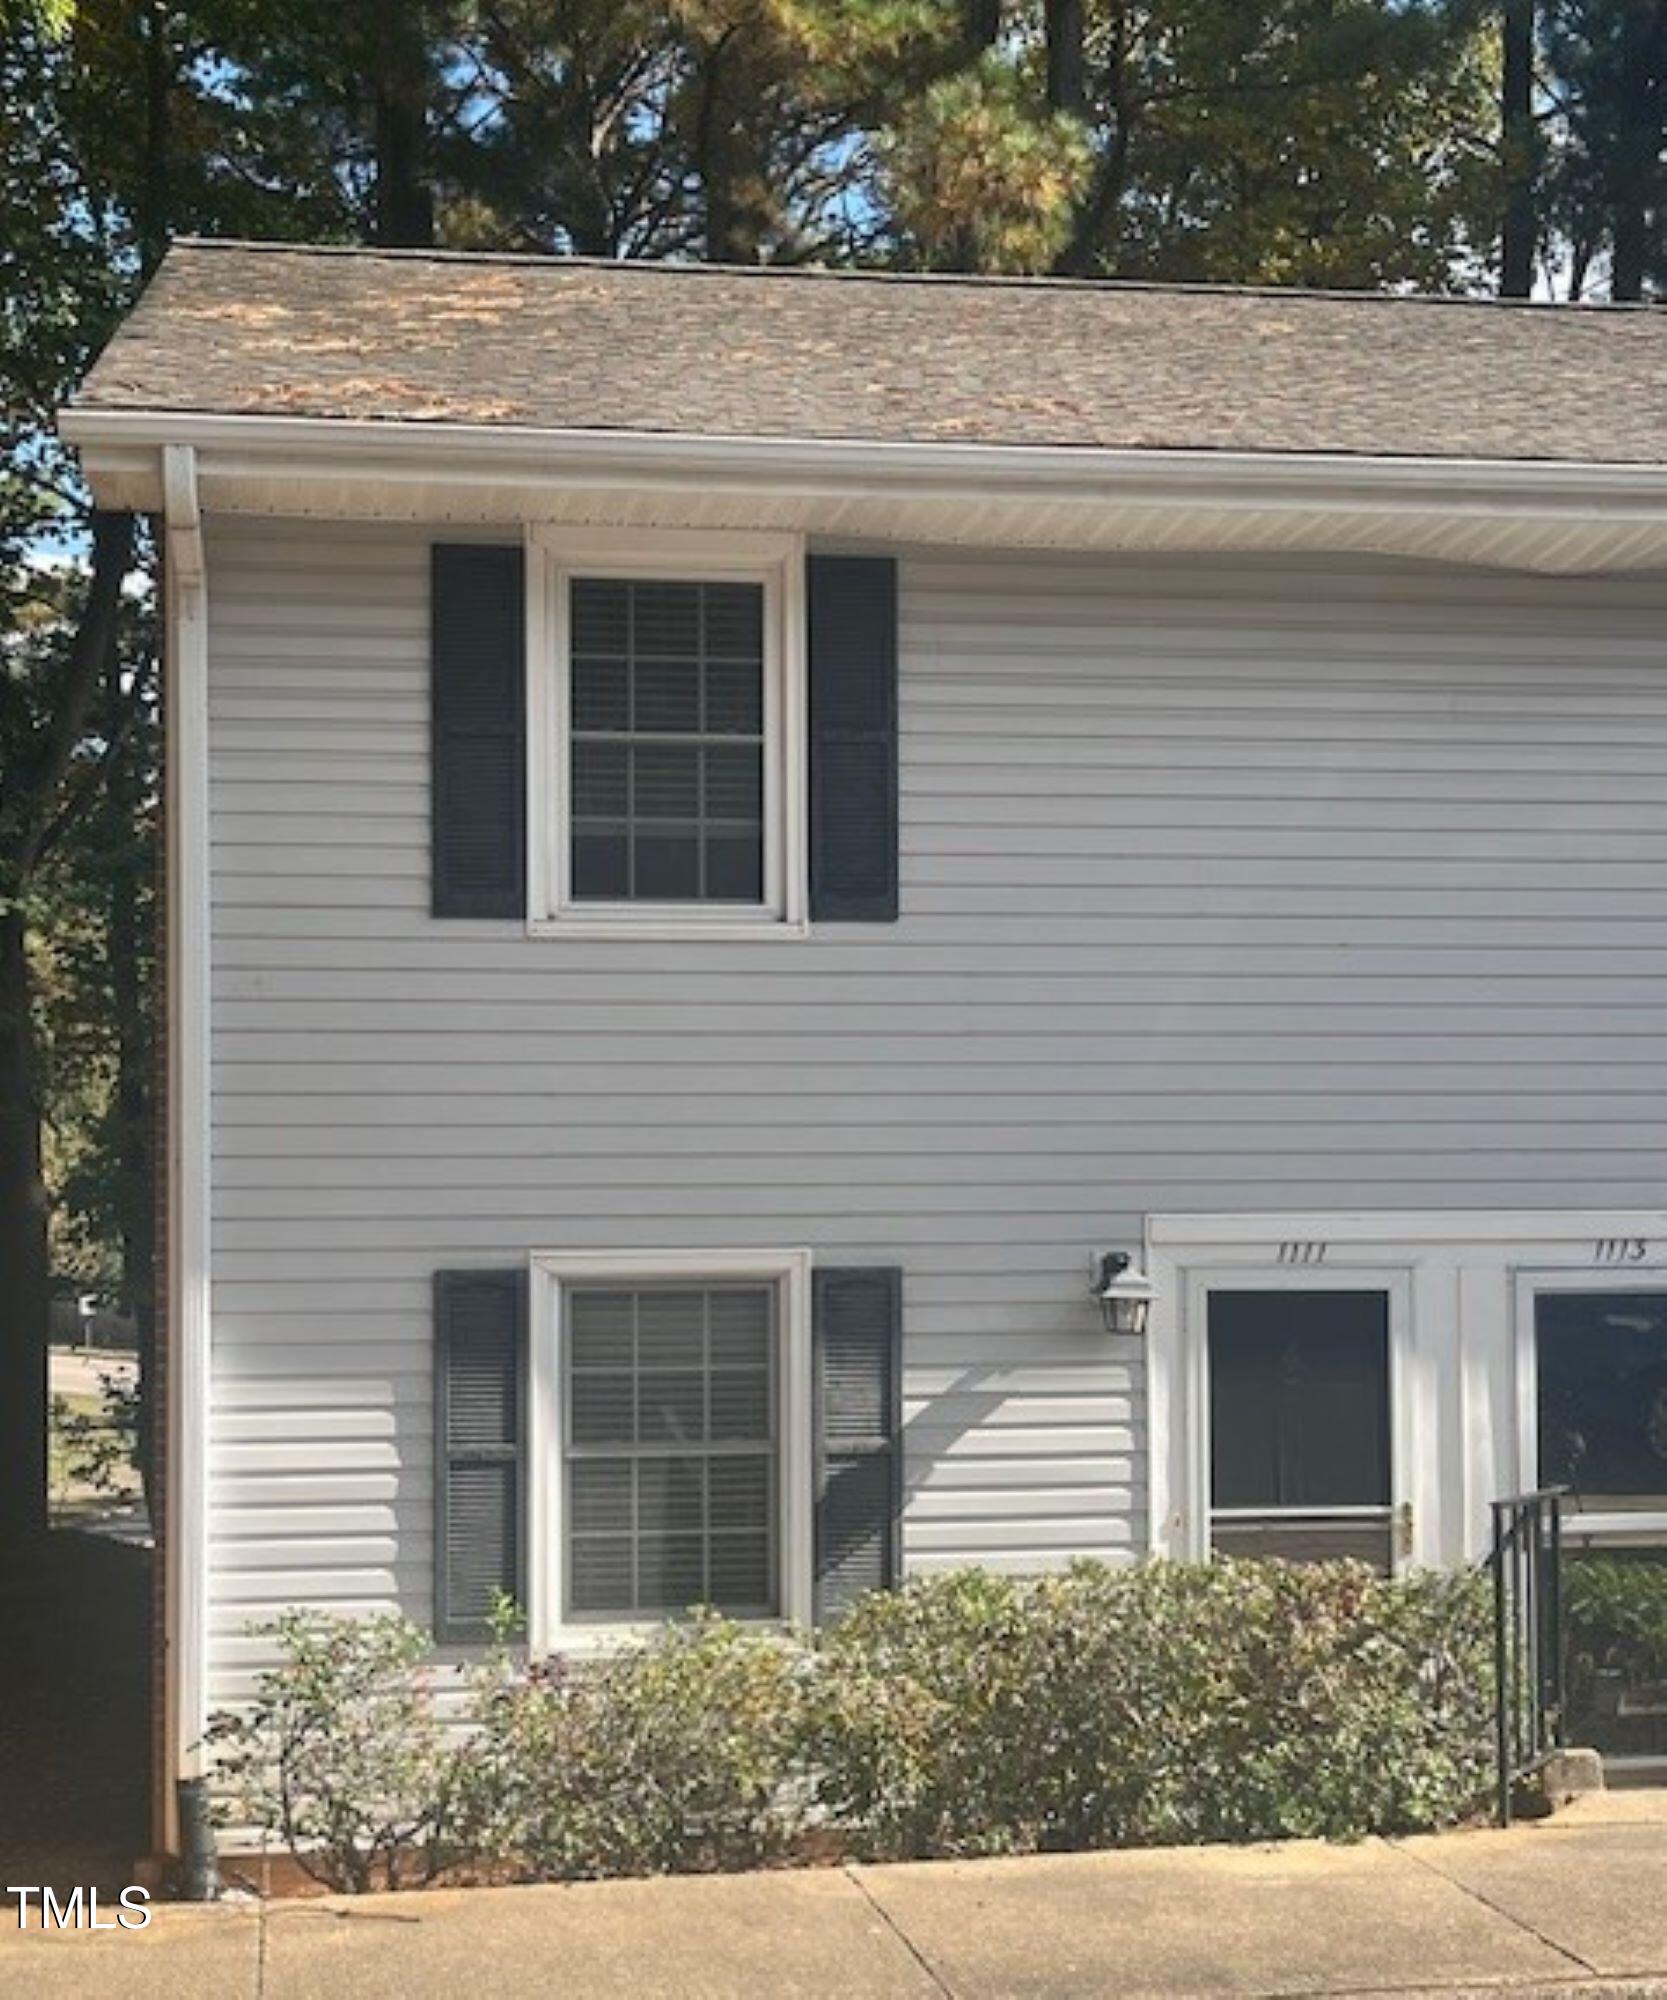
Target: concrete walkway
1577	1905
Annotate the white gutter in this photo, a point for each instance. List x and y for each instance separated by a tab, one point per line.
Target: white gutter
310	447
187	1123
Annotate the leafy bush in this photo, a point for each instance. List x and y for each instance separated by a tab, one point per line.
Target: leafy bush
1165	1703
968	1714
1615	1613
677	1754
919	1725
341	1754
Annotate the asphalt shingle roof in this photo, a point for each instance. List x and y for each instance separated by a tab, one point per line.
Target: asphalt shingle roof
278	330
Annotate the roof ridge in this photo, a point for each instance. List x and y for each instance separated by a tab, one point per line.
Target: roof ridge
969	280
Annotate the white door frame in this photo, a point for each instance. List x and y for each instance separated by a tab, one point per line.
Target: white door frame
1463	1375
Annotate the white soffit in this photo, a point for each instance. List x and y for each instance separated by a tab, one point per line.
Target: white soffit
1556	519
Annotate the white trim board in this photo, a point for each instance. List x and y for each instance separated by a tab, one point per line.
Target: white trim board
1420	1226
1465	1429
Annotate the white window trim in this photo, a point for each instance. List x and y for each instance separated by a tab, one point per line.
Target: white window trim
555	555
552	1272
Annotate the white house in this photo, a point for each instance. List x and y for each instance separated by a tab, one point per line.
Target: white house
731	833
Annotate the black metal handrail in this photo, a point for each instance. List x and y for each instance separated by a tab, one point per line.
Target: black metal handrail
1527	1563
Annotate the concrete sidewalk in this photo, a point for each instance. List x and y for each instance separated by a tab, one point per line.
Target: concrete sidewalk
1574	1905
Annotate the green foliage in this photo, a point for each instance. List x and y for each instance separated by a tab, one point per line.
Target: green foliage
979	177
970	1714
342	1754
1615	1616
95	1444
1319	142
1165	1703
674	1754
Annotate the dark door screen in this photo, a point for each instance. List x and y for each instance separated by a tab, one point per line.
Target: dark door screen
1603	1397
1299	1424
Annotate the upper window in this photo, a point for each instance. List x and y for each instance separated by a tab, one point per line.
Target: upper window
667	741
668	774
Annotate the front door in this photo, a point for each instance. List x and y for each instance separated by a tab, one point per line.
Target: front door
1299	1424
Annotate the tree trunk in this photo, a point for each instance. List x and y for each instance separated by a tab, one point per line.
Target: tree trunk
726	156
1096	215
1629	256
1634	181
1067	68
155	198
25	1257
404	210
980	25
128	923
32	810
1521	228
730	236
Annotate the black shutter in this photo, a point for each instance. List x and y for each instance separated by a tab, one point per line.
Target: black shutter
852	626
857	1332
477	621
480	1399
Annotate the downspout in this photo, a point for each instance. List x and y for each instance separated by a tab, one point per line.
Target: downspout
186	1554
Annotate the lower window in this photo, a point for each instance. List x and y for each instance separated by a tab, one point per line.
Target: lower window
671	1449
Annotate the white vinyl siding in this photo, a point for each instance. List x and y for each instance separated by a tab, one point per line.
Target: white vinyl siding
1258	885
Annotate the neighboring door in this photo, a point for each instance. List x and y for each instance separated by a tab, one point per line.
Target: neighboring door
1601	1418
1300	1425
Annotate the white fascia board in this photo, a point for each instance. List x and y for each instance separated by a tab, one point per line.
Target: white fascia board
302	449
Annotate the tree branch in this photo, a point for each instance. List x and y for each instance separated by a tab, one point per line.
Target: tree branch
80	790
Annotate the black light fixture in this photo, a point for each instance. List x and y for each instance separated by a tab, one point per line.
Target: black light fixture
1124	1292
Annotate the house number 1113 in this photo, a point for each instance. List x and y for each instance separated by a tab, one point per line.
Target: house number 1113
1620	1250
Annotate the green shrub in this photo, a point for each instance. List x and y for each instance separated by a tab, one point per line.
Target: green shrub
1164	1703
970	1714
915	1715
341	1755
676	1754
1615	1615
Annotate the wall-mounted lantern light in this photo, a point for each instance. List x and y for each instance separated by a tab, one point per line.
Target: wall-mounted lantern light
1124	1292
